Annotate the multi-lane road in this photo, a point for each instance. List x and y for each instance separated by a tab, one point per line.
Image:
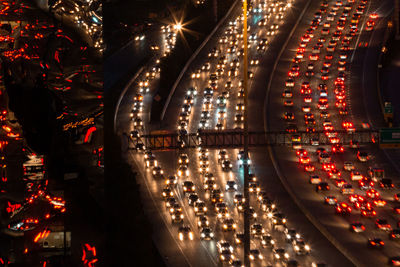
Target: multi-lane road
271	31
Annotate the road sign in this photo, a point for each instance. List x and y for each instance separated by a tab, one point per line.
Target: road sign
389	138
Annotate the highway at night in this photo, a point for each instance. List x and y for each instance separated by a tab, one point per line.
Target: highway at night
324	205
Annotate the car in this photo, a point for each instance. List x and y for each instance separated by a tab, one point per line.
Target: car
362	156
343	208
382	224
202	221
330	200
267	241
226	165
367	211
256	230
228	224
192	198
366	183
280	254
255	254
394	234
224	245
315	179
226	255
300	246
199	207
188	187
376	243
347	189
357	227
348	166
290	234
185	233
386	183
322	186
278	220
394	261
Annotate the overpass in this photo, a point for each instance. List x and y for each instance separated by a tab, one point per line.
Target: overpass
235	139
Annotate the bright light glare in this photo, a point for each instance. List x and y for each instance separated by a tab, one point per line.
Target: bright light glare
178	26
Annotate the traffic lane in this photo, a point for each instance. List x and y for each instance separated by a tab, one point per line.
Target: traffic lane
278	97
322	249
365	62
267	59
313	201
173	109
179	253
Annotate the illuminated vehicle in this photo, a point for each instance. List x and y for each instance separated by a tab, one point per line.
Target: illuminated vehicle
280	254
386	183
355	176
177	216
171	180
183	171
192	198
278	220
304	160
226	165
202	221
394	234
235	263
354	144
257	230
362	156
365	183
209	184
224	245
239	237
289	116
255	255
287	93
290	234
267	241
324	158
343	208
167	192
300	246
231	186
379	202
254	187
370	25
357	227
206	233
229	225
376	243
185	233
288	103
330	200
376	173
188	187
199	208
347	189
367	211
175	207
372	193
322	186
222	155
396	197
383	224
394	261
337	148
348	166
169	202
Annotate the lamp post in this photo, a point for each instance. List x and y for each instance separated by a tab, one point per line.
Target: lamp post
246	145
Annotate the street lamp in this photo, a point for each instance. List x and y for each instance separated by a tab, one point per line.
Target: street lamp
246	224
178	26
